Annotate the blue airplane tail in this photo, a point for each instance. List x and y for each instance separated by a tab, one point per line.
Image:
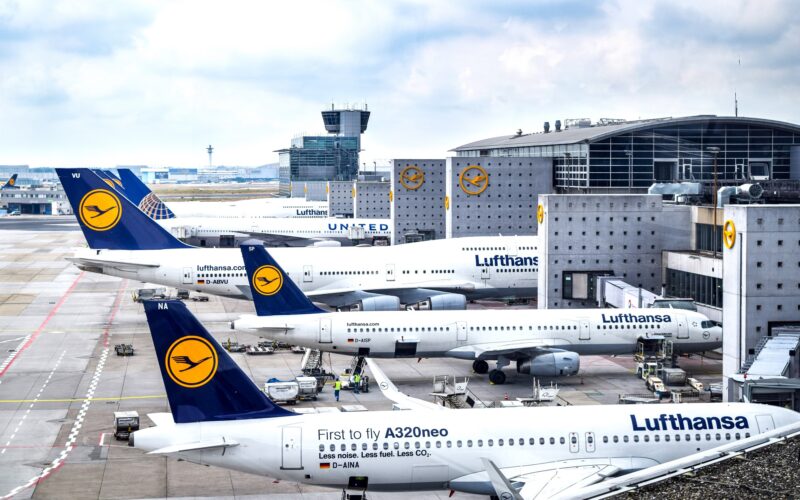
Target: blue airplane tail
202	382
108	220
112	181
274	292
147	201
11	183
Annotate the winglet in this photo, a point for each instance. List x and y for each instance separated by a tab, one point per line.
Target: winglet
108	220
274	292
202	382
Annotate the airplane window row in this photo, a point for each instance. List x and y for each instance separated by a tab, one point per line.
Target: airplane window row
629	327
220	275
341	273
398	329
482	249
479	443
677	437
516	270
530	327
433	271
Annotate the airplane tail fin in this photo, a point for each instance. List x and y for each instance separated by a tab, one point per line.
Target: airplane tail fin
147	201
274	292
202	382
113	181
108	220
11	182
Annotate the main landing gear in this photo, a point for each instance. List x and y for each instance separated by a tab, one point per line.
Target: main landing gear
496	376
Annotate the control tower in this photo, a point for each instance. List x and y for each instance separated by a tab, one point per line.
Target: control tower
346	122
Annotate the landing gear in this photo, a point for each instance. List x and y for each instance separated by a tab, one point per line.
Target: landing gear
480	366
497	377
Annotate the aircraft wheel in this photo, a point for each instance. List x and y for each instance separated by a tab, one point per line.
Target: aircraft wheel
480	366
497	377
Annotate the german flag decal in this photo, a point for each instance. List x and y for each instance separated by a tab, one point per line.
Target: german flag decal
324	465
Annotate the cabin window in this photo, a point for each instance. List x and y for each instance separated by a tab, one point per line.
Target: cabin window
407	445
708	437
718	437
531	441
738	436
490	442
438	444
625	438
396	445
677	437
521	441
480	443
353	447
605	439
499	442
636	439
322	447
727	436
333	447
343	447
552	440
374	446
364	446
666	437
656	438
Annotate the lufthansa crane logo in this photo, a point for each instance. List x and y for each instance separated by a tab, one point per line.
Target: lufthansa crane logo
267	280
540	213
473	180
12	181
191	361
100	210
412	177
729	234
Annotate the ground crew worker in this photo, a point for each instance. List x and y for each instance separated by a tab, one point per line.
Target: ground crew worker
356	382
337	386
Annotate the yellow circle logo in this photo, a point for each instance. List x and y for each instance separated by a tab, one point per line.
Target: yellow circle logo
540	213
473	180
12	181
412	177
100	210
267	280
729	234
191	361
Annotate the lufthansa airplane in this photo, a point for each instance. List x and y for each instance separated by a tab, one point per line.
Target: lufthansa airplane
436	274
250	219
219	417
541	342
138	192
11	183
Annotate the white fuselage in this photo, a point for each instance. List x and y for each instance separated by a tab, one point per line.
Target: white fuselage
255	208
478	267
478	333
282	228
419	450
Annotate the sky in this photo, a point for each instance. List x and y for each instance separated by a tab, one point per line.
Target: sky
137	82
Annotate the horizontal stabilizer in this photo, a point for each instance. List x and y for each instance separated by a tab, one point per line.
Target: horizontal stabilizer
203	445
119	264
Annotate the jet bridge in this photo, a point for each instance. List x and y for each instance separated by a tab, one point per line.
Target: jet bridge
613	292
771	374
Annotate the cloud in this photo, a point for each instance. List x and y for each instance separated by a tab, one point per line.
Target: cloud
98	83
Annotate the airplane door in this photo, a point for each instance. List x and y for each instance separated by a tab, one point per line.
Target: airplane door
683	328
765	423
187	276
462	331
585	330
574	446
292	449
325	330
590	442
486	273
389	272
308	274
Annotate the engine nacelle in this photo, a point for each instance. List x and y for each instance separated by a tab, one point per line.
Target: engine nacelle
378	303
557	364
445	301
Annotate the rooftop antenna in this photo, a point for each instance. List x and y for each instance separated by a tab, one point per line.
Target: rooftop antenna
735	95
210	151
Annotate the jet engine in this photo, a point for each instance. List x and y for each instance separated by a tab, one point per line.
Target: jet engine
444	301
553	364
376	303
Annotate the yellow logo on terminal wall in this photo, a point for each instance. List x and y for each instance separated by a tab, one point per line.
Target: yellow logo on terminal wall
191	361
729	234
100	210
540	213
267	280
412	177
473	180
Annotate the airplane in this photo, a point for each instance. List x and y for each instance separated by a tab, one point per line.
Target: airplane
260	207
542	342
11	183
219	417
429	275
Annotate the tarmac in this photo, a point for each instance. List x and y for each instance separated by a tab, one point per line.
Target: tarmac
61	381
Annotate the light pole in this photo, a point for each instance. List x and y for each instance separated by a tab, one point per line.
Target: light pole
714	150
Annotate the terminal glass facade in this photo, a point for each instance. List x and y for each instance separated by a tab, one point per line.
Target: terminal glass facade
705	290
320	158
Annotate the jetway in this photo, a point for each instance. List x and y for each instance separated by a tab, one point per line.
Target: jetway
613	292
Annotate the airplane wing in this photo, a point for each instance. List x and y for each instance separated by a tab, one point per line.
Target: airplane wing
548	480
353	294
393	393
490	349
196	446
119	264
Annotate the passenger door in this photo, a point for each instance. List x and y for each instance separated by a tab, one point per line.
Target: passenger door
187	276
585	330
389	272
683	328
486	273
308	274
325	331
461	327
765	423
292	448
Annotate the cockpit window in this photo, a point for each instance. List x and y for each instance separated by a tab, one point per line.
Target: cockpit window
707	324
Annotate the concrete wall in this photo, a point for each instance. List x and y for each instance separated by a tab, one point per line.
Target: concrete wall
761	280
508	203
420	209
372	200
624	234
340	198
